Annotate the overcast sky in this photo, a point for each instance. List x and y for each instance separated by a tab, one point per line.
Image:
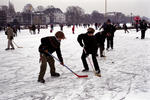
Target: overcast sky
137	7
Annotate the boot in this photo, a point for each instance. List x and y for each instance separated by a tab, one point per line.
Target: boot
85	70
41	80
55	74
7	49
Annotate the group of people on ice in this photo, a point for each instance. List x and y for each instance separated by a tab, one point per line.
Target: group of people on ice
139	25
88	41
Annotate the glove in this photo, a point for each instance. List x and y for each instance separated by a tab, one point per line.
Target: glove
62	63
46	51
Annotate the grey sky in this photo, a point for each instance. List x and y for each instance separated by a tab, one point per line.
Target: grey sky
137	7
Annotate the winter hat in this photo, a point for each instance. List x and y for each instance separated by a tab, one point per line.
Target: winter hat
90	30
60	34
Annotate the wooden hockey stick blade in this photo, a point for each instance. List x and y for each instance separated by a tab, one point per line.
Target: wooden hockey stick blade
81	76
20	47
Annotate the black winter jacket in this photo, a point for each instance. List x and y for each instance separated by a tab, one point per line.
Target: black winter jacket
143	26
100	37
109	30
89	43
51	44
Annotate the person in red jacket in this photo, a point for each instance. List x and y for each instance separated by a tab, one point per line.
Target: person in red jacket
49	45
73	29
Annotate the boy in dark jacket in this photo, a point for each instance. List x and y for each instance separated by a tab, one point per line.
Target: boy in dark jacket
100	37
89	44
50	44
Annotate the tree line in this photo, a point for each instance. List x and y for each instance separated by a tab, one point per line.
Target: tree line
77	15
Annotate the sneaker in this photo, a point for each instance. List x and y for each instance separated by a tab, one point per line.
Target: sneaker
55	74
85	70
41	80
7	49
97	71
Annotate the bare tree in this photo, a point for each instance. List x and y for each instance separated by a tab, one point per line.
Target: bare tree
97	17
50	7
87	19
50	11
28	8
40	8
74	15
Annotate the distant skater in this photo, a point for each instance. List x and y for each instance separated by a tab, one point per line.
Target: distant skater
143	28
73	29
125	28
10	37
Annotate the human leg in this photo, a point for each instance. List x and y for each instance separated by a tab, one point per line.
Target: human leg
51	62
42	69
95	63
83	58
11	44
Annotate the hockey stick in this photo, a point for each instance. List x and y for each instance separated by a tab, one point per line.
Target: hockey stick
17	45
79	76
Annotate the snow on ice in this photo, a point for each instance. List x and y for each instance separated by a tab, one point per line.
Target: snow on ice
125	70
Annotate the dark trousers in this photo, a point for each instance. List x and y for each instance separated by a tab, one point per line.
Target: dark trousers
110	42
10	43
43	66
126	30
83	57
101	49
142	34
